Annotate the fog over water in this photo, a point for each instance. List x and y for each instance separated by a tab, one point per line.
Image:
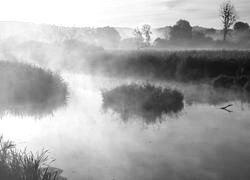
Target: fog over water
203	141
125	90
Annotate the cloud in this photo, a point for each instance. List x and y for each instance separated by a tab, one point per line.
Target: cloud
174	3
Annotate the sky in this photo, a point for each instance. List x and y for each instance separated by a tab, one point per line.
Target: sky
119	13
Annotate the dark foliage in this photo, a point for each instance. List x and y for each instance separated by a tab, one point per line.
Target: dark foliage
23	165
146	101
27	89
179	65
241	26
181	31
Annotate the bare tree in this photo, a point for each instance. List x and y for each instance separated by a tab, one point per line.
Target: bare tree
146	30
228	17
138	37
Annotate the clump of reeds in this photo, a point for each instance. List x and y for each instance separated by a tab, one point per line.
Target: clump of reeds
147	101
178	65
28	89
22	165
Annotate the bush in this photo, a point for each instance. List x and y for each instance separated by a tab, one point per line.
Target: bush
26	89
146	101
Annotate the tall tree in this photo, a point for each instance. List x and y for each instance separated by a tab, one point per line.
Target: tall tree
228	17
182	30
146	30
138	37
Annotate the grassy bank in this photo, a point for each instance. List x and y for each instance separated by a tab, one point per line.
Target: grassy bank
145	101
23	165
26	89
179	65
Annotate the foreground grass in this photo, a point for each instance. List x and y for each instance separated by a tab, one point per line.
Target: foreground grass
146	101
23	165
178	65
26	89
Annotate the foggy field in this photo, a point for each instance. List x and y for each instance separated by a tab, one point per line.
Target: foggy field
26	89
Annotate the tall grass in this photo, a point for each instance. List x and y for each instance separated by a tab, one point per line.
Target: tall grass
23	165
145	101
26	89
178	65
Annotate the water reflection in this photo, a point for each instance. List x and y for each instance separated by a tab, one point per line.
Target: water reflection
203	143
206	94
145	101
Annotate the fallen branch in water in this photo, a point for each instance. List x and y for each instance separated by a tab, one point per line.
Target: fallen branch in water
226	108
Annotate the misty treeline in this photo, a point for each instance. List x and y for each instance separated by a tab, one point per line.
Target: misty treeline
233	34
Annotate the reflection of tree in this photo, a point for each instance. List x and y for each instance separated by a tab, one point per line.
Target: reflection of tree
147	102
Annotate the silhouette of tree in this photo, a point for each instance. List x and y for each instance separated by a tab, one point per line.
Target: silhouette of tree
138	38
146	30
211	31
241	26
181	31
228	17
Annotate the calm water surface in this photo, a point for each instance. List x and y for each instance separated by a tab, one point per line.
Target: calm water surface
200	142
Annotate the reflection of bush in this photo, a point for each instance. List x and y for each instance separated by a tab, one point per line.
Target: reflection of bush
27	89
146	101
21	165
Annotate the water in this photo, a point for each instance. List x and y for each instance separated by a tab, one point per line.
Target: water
199	142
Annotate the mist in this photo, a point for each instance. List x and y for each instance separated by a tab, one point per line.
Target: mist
129	97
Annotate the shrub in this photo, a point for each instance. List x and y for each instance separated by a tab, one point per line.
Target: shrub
27	89
146	101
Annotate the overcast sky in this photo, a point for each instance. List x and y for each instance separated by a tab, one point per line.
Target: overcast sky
121	13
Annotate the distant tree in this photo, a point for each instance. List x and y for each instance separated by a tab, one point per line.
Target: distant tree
198	36
182	30
146	31
72	33
160	43
138	37
241	26
107	36
57	34
228	17
211	31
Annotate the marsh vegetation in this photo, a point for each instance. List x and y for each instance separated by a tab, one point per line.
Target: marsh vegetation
176	81
179	65
18	164
30	90
146	101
